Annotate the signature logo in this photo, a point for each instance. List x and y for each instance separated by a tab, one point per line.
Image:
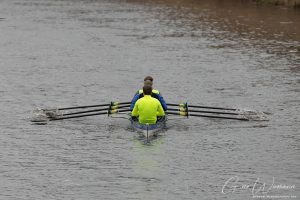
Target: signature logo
258	189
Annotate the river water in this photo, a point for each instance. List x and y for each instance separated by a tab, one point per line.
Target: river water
68	52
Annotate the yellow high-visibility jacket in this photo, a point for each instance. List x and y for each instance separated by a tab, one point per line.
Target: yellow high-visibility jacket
147	109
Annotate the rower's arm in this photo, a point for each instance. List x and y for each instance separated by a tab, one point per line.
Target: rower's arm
133	101
162	101
160	111
134	112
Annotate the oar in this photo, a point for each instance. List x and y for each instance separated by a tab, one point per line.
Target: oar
209	116
204	111
91	106
207	107
220	117
88	111
92	114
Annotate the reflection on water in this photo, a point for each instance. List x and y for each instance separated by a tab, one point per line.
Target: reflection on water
242	17
276	29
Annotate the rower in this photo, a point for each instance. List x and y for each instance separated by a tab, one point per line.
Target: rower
148	81
147	109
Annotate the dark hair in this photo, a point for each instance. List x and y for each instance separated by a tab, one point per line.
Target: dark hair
147	90
148	78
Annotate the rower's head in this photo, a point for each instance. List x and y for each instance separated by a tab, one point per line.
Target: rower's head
148	81
148	78
147	90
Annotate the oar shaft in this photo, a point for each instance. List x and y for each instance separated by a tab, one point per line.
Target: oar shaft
206	107
78	116
220	117
213	112
80	107
87	115
211	116
88	111
91	106
205	111
118	111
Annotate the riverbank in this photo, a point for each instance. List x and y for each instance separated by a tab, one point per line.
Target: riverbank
290	3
